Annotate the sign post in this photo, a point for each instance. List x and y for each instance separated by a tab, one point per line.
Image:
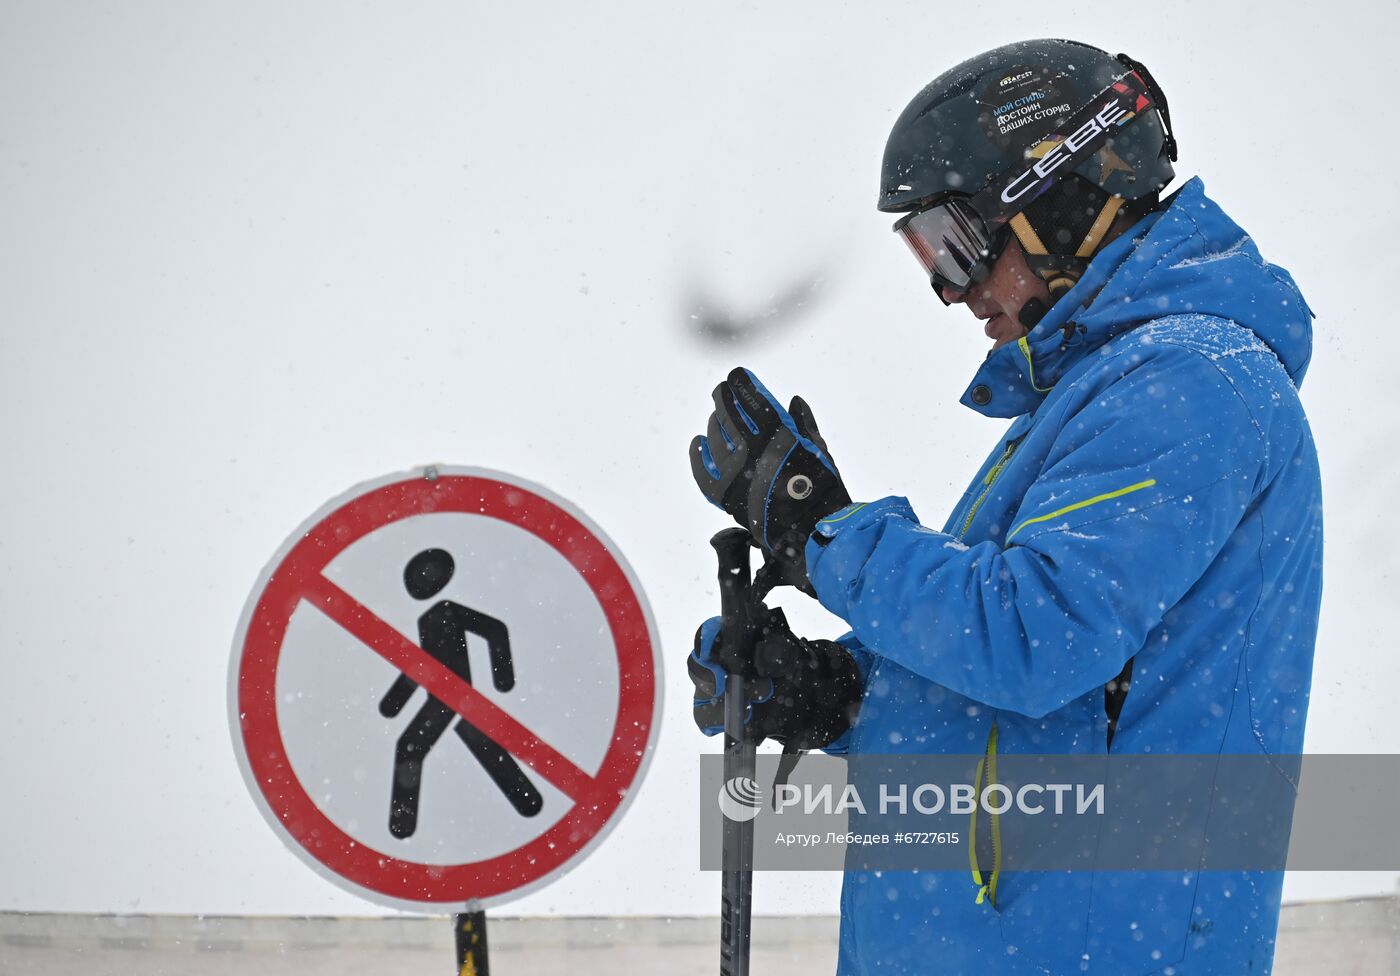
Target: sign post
471	943
436	601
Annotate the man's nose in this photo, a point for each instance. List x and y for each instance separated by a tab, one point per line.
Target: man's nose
951	297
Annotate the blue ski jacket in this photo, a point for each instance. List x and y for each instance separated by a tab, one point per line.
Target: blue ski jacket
1156	501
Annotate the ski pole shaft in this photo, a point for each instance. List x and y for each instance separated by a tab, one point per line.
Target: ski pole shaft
740	749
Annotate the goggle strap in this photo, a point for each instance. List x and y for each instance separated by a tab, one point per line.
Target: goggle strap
1013	189
1158	99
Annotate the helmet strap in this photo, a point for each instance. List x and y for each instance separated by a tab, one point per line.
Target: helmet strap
1090	245
1061	271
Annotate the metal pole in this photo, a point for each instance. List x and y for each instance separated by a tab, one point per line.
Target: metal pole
737	634
470	930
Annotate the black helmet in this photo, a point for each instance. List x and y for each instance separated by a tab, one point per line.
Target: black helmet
977	129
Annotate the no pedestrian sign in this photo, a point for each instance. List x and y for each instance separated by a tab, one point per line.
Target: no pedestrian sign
445	688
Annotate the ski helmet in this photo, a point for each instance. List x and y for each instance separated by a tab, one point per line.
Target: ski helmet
1045	139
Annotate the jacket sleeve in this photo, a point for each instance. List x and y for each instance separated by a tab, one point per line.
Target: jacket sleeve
1146	479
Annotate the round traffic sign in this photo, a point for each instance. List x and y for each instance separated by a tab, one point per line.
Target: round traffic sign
445	687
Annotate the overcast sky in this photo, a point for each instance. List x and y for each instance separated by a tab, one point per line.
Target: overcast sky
253	254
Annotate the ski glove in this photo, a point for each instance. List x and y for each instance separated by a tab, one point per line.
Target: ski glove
769	469
805	694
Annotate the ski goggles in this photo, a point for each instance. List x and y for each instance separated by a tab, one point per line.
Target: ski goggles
953	244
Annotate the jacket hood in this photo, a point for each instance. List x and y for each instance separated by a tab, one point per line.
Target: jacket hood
1187	258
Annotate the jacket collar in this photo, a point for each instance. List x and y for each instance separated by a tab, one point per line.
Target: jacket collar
1015	379
1187	256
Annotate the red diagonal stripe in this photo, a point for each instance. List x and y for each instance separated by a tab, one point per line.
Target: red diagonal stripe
441	683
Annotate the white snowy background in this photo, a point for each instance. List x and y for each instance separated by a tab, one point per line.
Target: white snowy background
252	254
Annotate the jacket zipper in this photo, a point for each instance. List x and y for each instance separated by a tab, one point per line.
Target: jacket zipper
987	766
987	483
986	769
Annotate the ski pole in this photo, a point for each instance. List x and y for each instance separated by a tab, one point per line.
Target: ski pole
737	635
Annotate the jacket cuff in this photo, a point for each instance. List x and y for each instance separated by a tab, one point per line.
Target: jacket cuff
841	746
840	545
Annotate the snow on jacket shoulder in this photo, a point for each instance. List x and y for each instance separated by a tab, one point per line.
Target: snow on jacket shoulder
1156	507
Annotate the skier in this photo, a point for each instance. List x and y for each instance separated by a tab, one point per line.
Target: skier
1136	568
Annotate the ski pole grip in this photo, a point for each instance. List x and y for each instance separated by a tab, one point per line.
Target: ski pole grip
732	546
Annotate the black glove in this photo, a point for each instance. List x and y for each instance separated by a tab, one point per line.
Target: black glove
805	693
769	469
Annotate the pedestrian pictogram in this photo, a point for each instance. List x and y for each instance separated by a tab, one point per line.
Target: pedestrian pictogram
445	600
442	632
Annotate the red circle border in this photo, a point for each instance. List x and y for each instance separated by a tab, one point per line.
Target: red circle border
266	754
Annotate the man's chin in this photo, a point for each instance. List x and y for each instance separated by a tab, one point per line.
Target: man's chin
1002	330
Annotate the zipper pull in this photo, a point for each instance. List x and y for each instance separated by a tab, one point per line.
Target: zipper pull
982	894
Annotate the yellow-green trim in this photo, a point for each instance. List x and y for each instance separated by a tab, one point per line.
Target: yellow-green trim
986	883
1084	504
987	482
829	520
1025	348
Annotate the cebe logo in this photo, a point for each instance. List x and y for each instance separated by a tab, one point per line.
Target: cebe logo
1012	79
1064	152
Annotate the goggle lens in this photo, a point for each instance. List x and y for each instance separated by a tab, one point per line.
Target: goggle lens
951	243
